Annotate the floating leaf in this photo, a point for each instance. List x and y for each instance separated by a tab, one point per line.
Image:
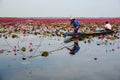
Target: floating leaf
95	58
89	41
8	51
23	58
23	49
85	42
98	44
45	53
14	35
5	37
113	49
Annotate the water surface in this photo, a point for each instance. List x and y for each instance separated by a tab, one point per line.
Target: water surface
92	62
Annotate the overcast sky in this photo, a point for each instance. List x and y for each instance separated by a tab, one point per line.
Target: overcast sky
59	8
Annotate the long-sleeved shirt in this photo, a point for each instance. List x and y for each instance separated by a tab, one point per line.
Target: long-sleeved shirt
108	26
75	23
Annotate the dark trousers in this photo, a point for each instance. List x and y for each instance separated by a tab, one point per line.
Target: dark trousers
76	30
107	29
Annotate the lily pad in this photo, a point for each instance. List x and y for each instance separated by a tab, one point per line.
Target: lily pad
45	53
23	49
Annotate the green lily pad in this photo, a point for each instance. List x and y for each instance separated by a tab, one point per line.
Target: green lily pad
23	49
45	53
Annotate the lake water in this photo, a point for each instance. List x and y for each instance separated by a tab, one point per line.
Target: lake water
92	62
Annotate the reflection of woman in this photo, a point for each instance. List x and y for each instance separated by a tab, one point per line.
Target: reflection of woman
75	49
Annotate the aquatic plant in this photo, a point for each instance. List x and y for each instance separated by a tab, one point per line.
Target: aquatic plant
14	35
23	49
45	53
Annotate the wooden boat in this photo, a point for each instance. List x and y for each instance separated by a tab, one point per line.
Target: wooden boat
96	33
82	36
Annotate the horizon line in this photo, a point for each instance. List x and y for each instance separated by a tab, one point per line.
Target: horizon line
58	17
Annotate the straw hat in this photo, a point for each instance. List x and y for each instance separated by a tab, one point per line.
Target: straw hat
72	18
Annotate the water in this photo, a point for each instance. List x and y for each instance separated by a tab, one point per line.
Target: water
92	62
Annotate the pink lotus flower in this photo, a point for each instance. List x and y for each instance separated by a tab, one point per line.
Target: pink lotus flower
101	36
14	47
30	43
2	51
30	50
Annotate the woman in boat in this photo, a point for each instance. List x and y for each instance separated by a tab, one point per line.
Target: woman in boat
75	24
108	26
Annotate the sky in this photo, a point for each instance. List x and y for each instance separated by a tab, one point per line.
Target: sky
59	8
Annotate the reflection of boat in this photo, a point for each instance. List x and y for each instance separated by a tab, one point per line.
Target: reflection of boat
81	36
